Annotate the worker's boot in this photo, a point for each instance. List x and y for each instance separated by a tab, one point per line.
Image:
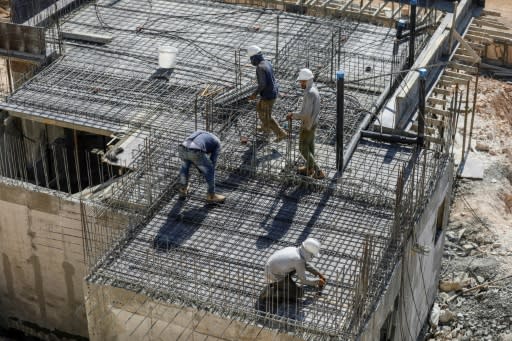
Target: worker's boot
281	137
319	174
215	198
302	170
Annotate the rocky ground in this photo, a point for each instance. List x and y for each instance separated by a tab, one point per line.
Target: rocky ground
475	291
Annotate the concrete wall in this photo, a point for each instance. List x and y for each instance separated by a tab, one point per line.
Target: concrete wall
41	260
119	314
415	279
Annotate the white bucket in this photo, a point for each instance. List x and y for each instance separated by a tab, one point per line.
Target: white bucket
167	57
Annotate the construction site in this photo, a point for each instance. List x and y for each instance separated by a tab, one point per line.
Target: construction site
98	244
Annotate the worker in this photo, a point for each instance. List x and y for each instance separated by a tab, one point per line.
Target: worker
267	90
280	268
194	151
309	115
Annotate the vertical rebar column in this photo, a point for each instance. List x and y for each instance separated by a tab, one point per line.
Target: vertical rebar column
421	107
474	107
412	32
466	113
340	96
276	66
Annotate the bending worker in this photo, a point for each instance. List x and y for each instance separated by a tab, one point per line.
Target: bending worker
268	91
194	151
309	115
280	268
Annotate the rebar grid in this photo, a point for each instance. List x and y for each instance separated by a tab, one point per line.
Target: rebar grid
138	235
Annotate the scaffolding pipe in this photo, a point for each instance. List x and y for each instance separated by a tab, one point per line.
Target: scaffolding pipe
412	38
340	94
421	106
391	138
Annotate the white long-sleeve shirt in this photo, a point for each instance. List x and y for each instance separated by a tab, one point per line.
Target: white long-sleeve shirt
310	112
286	260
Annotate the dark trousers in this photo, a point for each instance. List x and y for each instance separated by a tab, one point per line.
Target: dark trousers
274	294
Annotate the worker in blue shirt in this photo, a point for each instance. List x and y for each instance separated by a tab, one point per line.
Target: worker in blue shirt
194	151
267	90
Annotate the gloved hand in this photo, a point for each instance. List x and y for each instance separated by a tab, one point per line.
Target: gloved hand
321	282
252	97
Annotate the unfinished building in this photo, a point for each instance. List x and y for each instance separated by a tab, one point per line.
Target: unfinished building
89	138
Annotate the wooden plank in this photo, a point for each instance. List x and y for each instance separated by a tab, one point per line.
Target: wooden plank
434	140
436	111
491	32
444	82
428	130
491	13
455	80
444	92
467	48
458	75
344	7
380	8
435	123
436	101
478	38
463	58
365	6
491	24
463	67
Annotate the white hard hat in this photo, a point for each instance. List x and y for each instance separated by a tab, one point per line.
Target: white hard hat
305	74
253	50
312	246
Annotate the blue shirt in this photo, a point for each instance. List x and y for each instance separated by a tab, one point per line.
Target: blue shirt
207	143
267	85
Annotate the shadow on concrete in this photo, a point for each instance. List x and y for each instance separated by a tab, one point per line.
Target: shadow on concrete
181	224
282	219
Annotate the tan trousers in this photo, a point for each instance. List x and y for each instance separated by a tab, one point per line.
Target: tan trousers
268	123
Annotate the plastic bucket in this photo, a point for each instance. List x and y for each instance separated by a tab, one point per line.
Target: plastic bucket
167	57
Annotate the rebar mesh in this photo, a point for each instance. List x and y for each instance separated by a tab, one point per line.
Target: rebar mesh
140	236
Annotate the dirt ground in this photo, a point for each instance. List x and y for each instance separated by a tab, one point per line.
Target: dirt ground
475	291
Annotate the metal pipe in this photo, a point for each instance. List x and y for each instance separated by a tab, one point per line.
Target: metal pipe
389	137
412	29
340	94
421	106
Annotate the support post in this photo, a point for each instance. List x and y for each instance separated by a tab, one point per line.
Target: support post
276	66
474	108
340	96
412	29
453	28
421	106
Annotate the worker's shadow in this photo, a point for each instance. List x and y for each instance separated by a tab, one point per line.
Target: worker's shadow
179	226
282	219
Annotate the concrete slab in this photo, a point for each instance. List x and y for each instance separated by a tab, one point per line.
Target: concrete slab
473	168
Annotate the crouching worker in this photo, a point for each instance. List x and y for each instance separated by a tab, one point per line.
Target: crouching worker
280	268
193	151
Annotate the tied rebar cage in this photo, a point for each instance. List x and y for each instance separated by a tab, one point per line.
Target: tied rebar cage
139	235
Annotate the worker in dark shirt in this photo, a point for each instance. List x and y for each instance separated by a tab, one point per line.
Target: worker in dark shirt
267	90
194	151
